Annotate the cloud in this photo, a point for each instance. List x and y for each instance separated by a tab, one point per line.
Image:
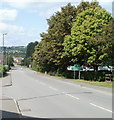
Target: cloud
8	14
47	13
18	3
105	1
10	28
28	3
47	8
17	35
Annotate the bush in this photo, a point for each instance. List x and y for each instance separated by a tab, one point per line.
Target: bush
88	75
2	70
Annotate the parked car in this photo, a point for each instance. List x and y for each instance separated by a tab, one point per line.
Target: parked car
85	68
108	68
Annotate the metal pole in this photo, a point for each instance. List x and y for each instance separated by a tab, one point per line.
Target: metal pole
79	74
4	49
3	40
74	74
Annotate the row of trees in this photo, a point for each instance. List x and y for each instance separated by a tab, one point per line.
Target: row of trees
76	35
28	57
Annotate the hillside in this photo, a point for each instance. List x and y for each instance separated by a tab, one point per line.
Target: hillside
17	51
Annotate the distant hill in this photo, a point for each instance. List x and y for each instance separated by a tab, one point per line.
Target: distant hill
17	51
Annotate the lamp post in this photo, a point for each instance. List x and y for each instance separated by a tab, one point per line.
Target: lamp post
4	49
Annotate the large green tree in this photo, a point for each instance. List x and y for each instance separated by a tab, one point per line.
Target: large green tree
87	5
106	41
40	61
51	49
83	45
59	26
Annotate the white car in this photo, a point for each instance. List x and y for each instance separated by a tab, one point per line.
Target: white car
109	68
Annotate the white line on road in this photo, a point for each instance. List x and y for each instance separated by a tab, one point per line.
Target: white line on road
16	104
42	83
70	95
101	107
53	88
63	92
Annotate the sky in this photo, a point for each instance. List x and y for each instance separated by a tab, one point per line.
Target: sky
24	20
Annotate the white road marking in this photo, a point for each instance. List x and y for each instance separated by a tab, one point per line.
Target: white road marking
16	104
70	95
101	107
63	92
42	83
53	88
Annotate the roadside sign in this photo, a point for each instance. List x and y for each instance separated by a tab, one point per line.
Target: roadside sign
75	68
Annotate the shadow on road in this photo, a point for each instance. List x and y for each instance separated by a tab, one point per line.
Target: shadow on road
13	68
6	115
6	74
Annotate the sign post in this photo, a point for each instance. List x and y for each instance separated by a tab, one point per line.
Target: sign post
74	74
79	74
75	68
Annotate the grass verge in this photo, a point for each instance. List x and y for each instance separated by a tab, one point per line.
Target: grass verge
108	84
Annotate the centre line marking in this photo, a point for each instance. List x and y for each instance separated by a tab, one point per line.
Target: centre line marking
101	107
63	92
72	96
53	88
42	83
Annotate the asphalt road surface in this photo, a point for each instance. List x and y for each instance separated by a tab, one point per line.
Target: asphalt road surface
41	96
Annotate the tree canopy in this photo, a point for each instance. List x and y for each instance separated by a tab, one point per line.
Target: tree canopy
30	48
75	35
83	45
50	49
29	53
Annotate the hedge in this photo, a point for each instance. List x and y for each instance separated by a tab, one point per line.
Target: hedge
88	75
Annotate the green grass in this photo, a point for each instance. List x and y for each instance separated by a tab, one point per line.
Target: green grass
107	84
103	84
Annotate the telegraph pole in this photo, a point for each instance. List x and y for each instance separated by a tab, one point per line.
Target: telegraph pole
4	49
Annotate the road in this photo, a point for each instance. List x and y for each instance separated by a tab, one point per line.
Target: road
42	96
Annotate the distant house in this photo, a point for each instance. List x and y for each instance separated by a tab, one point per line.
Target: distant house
17	59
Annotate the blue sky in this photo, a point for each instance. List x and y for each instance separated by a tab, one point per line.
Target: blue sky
24	20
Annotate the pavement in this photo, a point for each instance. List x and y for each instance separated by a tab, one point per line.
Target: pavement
6	80
8	106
